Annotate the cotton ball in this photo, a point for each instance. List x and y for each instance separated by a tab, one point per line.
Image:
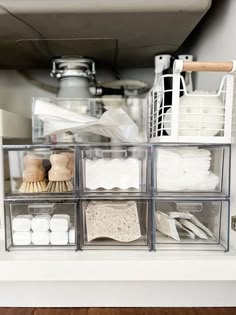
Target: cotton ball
200	114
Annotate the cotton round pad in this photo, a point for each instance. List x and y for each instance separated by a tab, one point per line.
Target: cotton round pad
199	115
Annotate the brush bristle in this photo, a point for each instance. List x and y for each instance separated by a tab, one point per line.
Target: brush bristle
33	187
60	186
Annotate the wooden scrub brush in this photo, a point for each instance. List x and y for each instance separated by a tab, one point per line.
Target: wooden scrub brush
59	175
33	175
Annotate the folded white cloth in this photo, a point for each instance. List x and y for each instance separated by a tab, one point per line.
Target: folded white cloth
41	238
59	238
187	182
185	169
22	223
184	153
22	238
169	174
41	223
183	160
72	235
176	155
194	153
60	223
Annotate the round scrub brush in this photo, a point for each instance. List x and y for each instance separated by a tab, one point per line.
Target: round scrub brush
60	175
33	175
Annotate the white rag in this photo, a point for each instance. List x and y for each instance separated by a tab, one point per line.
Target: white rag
187	182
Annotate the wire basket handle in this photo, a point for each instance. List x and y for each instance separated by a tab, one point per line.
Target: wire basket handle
180	65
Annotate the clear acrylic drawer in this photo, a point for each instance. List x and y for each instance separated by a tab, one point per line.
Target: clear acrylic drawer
192	225
31	170
115	224
32	225
89	120
201	170
115	169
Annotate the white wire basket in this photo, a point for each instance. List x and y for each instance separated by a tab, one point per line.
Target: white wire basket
176	115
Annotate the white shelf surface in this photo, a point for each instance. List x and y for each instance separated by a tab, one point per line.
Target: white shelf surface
116	266
116	279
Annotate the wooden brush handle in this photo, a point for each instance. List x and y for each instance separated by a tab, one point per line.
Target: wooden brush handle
208	66
59	171
34	170
71	163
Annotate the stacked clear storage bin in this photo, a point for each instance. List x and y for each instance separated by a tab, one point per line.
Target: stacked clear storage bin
115	189
97	174
40	197
108	188
190	133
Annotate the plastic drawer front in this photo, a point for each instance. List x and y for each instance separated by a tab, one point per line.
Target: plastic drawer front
193	170
115	170
116	224
39	171
192	225
31	225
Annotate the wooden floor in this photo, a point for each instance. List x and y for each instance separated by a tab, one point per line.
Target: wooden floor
117	311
